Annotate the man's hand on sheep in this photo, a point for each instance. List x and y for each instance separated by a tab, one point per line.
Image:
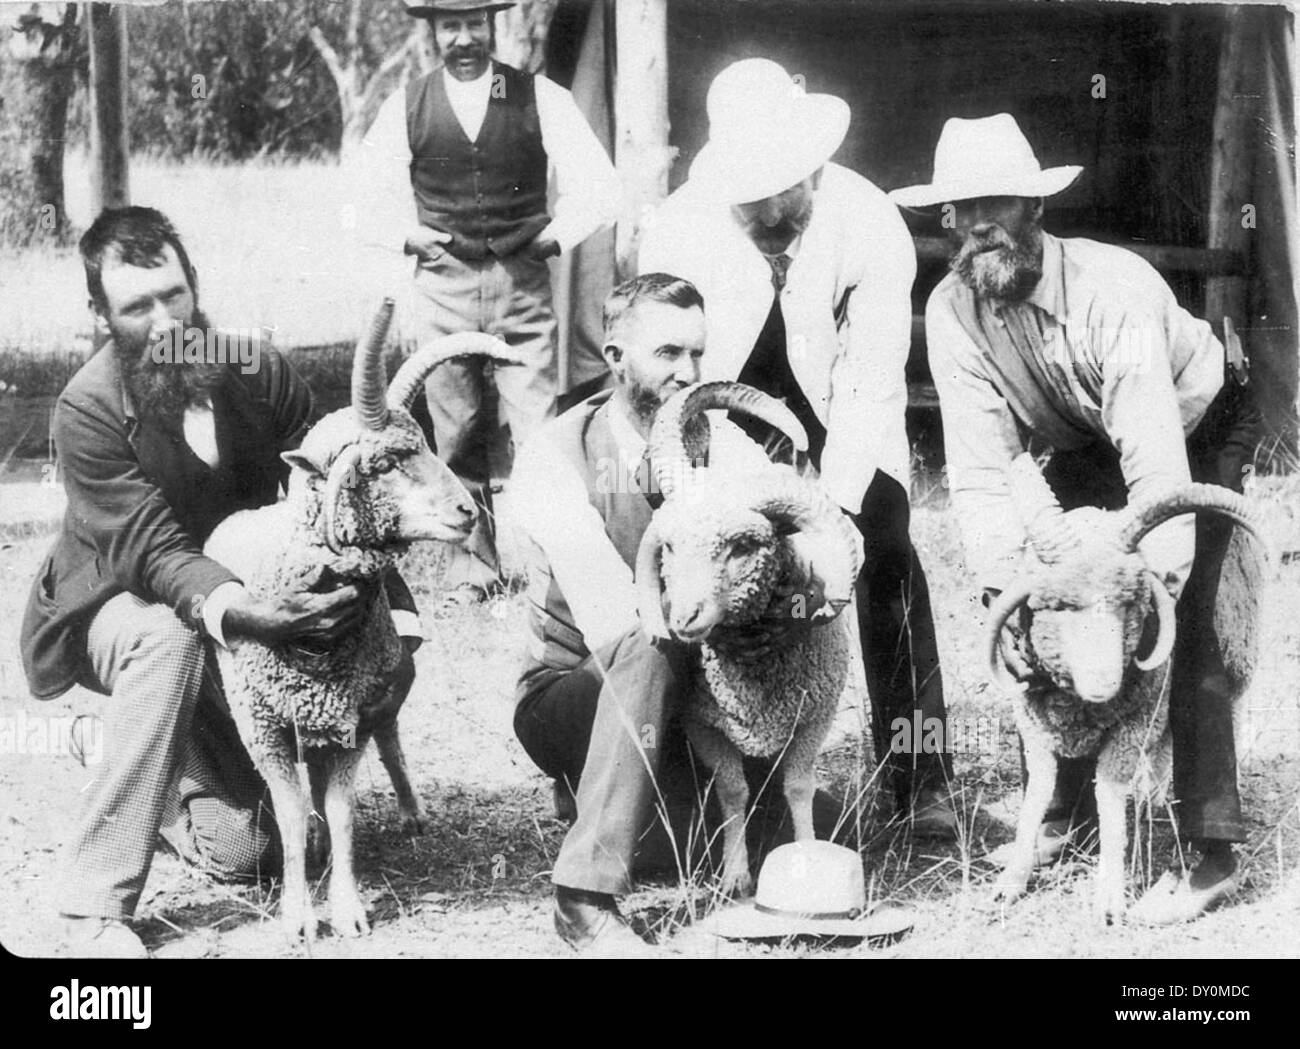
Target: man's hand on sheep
319	619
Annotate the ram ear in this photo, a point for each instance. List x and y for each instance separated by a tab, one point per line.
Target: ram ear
300	460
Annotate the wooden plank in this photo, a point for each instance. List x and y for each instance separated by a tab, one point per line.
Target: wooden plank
641	151
108	128
1231	163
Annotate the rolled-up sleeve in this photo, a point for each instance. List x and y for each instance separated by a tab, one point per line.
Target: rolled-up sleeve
868	404
588	191
980	442
1141	415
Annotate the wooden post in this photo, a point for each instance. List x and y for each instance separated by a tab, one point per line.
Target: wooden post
641	151
109	154
1231	165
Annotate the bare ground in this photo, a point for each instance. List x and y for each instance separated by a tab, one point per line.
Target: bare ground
476	882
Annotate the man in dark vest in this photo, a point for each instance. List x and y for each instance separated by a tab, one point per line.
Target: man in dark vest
807	269
454	172
154	453
1083	348
596	699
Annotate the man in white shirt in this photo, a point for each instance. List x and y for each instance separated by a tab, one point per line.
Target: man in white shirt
1082	348
596	698
454	172
807	270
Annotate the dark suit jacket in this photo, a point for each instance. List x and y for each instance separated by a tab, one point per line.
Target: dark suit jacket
141	504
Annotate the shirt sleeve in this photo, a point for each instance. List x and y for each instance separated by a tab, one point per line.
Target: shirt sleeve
552	507
980	441
588	191
1140	412
382	210
868	381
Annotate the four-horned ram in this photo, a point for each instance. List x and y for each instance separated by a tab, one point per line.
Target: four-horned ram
716	553
364	485
1084	612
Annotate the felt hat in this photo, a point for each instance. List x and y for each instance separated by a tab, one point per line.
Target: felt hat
808	888
989	157
766	134
428	8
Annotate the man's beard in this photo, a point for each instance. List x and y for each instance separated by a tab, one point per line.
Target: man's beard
162	391
772	240
645	402
1008	272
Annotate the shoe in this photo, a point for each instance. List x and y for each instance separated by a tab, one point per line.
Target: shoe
932	815
102	938
566	805
591	924
1053	840
1172	899
458	600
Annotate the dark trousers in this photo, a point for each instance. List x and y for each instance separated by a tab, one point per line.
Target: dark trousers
609	729
899	651
1200	708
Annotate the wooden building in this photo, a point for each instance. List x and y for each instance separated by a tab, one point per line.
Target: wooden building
1182	116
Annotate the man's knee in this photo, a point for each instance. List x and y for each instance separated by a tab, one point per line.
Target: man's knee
233	842
148	639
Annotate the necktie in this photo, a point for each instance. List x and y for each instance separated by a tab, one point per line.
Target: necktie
780	267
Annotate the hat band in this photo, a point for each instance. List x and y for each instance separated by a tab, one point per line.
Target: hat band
819	916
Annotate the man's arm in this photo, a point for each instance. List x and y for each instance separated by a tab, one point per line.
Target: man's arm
980	441
379	183
551	504
140	544
868	381
1141	415
588	191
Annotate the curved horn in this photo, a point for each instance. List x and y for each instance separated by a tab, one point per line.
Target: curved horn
649	584
790	501
1189	499
368	372
342	475
1003	608
417	367
1167	621
668	438
1050	530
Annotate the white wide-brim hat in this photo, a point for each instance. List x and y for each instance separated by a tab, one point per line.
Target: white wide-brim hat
808	888
989	157
766	134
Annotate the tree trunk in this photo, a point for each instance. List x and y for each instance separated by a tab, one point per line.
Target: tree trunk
38	58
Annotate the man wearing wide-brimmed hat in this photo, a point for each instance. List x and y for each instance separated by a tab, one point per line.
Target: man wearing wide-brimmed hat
1082	346
454	172
806	269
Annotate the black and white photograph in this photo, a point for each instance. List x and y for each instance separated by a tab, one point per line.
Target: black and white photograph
656	479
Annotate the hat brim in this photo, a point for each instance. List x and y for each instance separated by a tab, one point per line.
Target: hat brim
744	921
792	150
1045	183
429	10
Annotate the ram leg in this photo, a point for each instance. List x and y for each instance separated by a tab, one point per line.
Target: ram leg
272	755
347	911
721	755
798	781
1040	770
409	809
1108	899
